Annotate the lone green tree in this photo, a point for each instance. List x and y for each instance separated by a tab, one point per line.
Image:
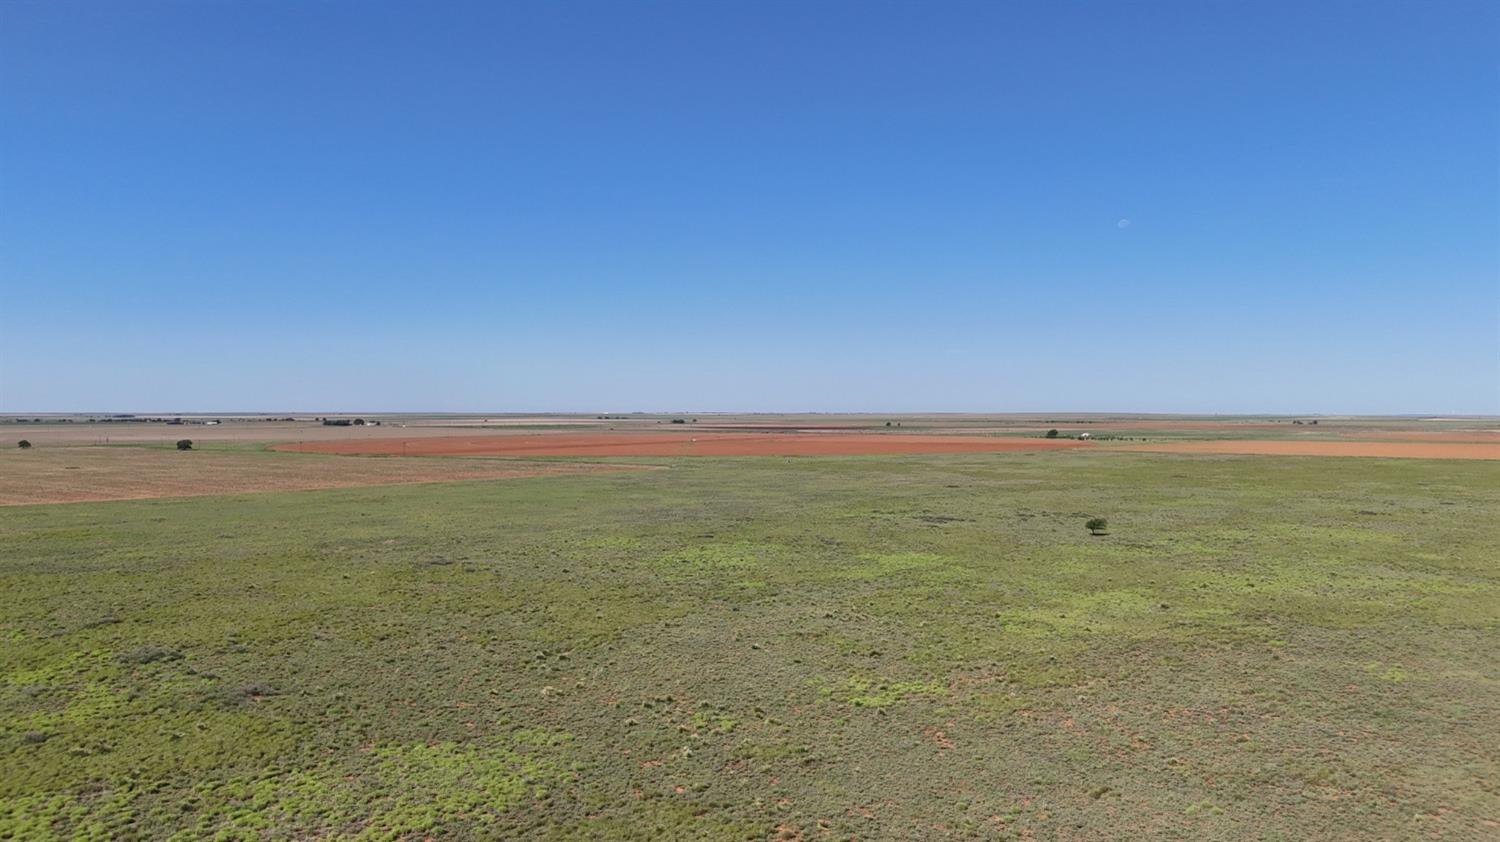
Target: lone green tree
185	444
1097	525
23	444
1052	434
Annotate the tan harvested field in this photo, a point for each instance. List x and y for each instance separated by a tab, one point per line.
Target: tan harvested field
82	474
1469	437
683	444
1332	447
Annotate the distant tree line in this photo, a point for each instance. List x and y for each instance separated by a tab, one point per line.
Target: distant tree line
1054	434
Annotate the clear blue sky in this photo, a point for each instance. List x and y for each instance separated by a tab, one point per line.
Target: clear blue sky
750	206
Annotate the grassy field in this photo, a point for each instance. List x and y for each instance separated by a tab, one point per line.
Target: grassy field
890	647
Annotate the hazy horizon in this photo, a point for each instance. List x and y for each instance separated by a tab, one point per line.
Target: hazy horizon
304	413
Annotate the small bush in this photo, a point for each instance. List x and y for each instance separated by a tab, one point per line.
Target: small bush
230	698
149	655
23	444
1097	525
1052	434
185	444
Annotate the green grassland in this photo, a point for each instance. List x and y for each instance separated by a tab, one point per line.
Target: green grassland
894	647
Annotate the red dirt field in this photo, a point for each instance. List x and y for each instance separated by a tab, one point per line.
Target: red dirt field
94	474
1383	449
681	444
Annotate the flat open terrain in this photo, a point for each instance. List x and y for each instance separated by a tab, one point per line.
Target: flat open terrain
713	443
684	444
898	647
80	430
77	474
1436	448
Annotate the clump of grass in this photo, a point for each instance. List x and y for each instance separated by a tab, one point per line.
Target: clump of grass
149	655
233	698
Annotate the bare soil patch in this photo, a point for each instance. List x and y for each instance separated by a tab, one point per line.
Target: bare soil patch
1454	437
1331	447
681	444
86	474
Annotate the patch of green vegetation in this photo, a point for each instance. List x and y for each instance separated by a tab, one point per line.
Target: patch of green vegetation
918	565
864	692
1388	672
901	647
737	556
390	791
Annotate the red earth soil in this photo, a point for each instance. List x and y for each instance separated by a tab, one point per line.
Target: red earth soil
680	444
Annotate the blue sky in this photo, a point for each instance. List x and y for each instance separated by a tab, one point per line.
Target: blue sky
750	206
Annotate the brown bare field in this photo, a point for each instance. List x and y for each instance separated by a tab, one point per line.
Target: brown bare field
1454	437
84	474
682	444
1331	447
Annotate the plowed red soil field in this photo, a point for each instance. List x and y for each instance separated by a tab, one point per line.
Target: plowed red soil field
681	444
